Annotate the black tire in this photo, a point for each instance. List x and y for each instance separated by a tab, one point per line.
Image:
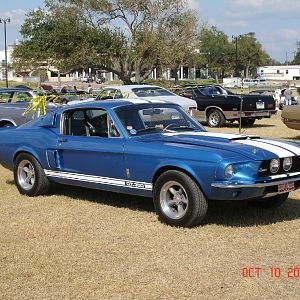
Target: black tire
8	125
271	202
29	176
190	206
248	122
215	118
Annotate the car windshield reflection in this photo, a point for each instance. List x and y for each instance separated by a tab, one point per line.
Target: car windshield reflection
151	92
151	118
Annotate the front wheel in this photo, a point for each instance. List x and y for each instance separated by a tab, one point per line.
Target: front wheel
271	202
215	118
29	176
178	200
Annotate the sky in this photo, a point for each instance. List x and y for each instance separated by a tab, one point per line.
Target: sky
276	23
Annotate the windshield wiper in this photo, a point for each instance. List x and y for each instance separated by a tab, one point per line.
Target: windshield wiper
175	128
184	128
148	129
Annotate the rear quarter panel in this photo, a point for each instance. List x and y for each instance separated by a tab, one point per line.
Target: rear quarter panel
34	141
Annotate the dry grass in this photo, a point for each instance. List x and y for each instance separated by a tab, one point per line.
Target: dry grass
82	244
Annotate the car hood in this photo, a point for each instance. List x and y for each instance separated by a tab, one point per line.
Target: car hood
252	147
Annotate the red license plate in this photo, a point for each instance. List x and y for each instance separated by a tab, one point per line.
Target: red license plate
286	187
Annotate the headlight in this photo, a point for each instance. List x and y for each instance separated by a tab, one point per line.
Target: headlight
274	165
287	163
229	171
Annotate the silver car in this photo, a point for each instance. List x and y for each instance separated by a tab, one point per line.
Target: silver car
13	103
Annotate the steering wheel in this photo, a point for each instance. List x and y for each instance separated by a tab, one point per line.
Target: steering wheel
92	129
170	126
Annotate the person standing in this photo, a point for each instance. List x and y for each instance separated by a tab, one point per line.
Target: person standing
288	96
90	89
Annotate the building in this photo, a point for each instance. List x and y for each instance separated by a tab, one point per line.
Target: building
2	62
285	73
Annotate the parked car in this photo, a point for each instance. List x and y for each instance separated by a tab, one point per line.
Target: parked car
100	79
13	102
86	79
149	149
263	92
68	94
216	105
290	116
145	92
21	86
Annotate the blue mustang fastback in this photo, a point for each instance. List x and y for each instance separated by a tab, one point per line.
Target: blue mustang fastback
153	149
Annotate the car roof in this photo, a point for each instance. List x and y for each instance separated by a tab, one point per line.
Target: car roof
115	103
15	90
129	87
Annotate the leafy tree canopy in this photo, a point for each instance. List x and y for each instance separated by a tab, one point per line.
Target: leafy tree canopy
122	36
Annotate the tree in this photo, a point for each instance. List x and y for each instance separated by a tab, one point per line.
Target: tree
216	52
250	54
296	60
122	36
179	46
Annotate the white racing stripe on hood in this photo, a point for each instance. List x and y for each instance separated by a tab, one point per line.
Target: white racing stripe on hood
228	136
292	148
280	152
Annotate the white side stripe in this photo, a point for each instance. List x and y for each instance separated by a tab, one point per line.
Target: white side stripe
271	148
289	147
102	180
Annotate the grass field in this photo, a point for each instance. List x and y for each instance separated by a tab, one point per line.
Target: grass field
81	244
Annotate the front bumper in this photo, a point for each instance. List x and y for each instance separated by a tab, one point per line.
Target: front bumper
247	190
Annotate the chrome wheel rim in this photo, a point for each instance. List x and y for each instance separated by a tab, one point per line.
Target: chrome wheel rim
26	175
214	119
174	200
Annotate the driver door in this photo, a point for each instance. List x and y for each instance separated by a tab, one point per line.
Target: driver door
90	148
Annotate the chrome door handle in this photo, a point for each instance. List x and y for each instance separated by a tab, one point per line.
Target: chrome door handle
62	140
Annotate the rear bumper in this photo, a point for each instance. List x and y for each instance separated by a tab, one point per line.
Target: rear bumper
229	115
235	115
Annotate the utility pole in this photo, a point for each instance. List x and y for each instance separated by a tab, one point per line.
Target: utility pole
4	21
236	37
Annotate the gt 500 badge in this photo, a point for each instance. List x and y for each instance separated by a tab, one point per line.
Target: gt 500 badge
135	184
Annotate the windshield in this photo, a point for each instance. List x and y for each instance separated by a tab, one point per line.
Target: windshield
151	92
155	118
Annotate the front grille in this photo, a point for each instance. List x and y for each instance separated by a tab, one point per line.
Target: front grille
264	169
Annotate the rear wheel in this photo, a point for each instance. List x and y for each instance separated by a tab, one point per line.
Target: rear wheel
248	122
29	176
178	200
7	124
215	118
271	202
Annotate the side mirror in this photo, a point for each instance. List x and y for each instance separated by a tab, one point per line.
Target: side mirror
48	121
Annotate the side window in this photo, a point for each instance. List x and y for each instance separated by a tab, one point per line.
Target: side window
5	97
105	94
110	94
187	93
89	122
118	94
21	97
205	91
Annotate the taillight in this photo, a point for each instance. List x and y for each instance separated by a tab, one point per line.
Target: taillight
270	105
